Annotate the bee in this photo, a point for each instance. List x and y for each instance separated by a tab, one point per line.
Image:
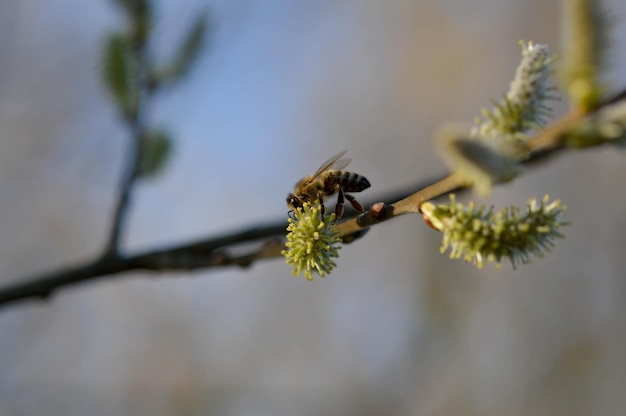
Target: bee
329	179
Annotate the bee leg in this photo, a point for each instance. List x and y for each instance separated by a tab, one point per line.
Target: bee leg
320	198
355	203
339	206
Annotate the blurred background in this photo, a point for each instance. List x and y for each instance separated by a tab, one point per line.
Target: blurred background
397	329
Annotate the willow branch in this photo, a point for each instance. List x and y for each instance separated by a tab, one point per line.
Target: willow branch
218	251
268	239
548	142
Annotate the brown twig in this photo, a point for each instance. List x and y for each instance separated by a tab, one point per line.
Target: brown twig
546	143
218	251
407	205
203	254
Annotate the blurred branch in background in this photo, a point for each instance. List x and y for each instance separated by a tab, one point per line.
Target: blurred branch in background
133	80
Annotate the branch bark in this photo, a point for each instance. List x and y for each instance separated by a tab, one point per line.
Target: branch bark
222	251
218	251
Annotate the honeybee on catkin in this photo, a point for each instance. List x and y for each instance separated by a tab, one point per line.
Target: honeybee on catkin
329	179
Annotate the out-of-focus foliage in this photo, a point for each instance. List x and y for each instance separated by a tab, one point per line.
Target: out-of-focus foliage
607	126
185	56
132	78
587	40
120	69
140	14
481	163
155	151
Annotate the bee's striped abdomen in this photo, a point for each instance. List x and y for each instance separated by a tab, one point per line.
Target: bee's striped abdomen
348	181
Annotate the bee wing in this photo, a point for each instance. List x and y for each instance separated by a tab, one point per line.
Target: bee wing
340	164
335	162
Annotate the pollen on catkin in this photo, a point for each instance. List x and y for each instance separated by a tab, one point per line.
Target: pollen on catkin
481	236
524	107
312	242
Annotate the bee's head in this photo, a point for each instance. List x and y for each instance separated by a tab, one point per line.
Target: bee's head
294	202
